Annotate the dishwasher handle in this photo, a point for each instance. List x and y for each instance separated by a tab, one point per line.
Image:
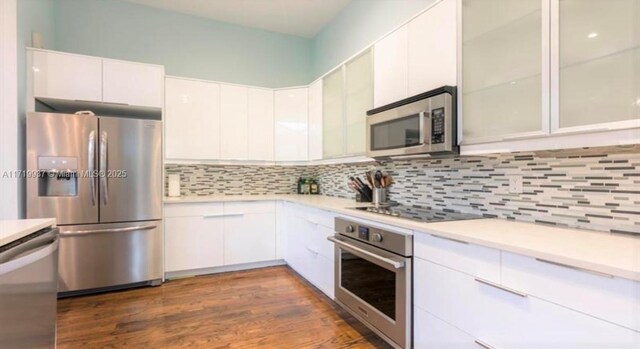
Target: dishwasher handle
34	254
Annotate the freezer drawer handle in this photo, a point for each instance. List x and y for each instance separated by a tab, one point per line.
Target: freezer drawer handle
33	257
115	230
359	251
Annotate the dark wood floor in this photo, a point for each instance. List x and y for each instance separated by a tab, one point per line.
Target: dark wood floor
261	308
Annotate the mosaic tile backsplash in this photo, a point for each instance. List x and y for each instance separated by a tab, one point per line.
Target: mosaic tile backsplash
596	189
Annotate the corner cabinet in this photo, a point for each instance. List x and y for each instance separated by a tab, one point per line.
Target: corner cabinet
291	124
549	74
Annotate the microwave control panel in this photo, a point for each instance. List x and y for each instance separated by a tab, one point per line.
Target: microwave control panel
437	126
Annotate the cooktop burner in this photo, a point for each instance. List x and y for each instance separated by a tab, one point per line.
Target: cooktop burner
421	214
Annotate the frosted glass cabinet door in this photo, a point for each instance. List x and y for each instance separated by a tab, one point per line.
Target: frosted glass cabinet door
599	63
332	114
359	99
315	120
502	66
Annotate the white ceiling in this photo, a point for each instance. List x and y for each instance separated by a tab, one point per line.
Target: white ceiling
297	17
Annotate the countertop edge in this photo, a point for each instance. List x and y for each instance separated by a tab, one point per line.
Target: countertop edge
433	229
26	229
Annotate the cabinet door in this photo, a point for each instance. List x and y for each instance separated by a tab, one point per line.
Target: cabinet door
333	114
233	122
391	68
193	243
433	333
192	120
249	238
315	120
261	124
67	76
599	65
502	63
132	83
291	115
433	48
359	99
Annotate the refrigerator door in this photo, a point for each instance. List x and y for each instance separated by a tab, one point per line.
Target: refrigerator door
130	160
97	256
61	151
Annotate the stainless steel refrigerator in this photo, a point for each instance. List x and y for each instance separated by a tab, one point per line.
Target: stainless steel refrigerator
101	178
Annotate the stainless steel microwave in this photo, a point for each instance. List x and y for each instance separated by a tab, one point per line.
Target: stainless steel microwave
424	124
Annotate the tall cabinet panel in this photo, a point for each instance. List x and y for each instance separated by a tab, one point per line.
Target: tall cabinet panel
359	99
315	120
502	66
598	63
192	119
391	67
233	122
432	46
291	124
333	114
260	126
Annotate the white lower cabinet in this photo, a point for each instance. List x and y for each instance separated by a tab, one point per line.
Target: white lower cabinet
434	333
307	250
528	305
249	232
193	237
203	236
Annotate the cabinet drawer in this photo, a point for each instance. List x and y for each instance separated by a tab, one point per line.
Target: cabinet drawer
320	272
433	333
193	209
246	207
474	260
503	319
612	299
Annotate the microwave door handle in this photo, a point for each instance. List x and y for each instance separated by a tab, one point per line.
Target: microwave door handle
104	189
92	165
425	128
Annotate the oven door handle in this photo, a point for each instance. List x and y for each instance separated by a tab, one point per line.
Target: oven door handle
360	252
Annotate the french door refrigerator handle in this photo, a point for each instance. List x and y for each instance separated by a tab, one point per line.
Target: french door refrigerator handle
92	166
113	230
104	186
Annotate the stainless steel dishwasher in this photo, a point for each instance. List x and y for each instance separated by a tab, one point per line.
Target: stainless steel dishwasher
28	291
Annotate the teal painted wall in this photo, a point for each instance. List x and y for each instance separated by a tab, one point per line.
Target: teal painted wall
358	25
186	45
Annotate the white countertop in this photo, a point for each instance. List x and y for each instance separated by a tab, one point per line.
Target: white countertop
614	254
12	230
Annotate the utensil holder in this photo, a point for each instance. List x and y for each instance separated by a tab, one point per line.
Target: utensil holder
379	196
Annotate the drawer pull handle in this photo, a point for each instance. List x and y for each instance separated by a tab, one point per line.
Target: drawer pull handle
483	345
576	268
218	215
312	250
500	287
312	222
450	239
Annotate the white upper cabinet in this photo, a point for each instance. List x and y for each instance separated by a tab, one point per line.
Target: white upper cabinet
598	63
391	68
358	100
502	66
315	120
261	124
291	124
132	83
333	114
66	76
233	122
432	46
192	119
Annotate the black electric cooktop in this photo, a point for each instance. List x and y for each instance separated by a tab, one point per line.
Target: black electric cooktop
421	214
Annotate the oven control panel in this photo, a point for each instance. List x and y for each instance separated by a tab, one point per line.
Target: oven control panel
388	240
